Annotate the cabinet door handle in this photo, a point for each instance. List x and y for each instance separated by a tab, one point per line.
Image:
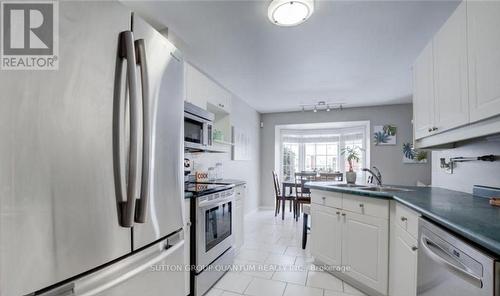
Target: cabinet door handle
434	129
404	219
344	214
323	198
361	205
338	213
430	130
414	248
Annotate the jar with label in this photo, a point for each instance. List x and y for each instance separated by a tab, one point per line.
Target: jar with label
211	174
219	171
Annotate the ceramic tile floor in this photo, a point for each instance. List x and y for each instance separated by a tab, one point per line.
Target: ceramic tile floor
272	263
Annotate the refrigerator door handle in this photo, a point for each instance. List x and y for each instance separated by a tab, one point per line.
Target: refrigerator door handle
142	203
127	207
102	282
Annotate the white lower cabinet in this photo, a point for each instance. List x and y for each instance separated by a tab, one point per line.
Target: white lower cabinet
326	245
355	240
404	251
365	249
403	263
239	214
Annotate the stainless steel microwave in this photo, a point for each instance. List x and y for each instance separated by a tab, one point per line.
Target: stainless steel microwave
197	127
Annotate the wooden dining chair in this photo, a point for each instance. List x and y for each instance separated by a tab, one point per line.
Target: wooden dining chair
302	194
305	225
281	198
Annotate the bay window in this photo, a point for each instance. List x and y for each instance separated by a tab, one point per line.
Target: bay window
320	150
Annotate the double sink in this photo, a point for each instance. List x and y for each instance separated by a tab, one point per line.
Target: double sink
370	188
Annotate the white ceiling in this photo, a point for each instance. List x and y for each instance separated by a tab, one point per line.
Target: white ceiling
356	52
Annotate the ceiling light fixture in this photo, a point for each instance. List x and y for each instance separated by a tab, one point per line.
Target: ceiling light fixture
322	106
290	12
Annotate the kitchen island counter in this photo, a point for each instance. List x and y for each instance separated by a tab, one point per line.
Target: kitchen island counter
465	214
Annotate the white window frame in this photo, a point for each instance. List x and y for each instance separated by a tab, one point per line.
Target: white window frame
343	128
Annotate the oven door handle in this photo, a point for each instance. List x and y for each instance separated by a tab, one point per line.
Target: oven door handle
432	250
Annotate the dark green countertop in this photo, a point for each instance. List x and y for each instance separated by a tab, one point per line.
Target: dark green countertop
471	217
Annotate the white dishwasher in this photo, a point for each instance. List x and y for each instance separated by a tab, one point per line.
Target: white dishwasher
448	265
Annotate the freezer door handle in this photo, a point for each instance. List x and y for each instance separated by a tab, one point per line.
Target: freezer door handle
127	204
142	203
102	282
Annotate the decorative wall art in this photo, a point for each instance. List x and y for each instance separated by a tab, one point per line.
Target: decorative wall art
385	134
241	145
411	155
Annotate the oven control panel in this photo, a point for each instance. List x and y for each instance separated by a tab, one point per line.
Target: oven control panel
214	197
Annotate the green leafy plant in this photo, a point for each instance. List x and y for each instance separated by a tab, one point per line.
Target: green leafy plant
381	137
352	154
389	129
408	151
421	155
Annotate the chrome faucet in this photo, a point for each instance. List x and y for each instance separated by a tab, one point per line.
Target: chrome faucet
377	176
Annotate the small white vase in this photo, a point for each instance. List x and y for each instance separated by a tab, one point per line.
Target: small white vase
350	177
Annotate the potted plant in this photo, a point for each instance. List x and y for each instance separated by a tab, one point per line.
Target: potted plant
352	154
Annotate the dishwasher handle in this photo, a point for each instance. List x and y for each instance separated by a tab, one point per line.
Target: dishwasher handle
430	249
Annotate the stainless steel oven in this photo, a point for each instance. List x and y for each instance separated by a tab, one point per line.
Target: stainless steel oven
197	127
214	226
212	238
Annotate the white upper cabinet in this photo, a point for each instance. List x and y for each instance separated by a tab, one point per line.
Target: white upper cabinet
423	93
220	99
484	58
451	107
457	78
197	86
201	91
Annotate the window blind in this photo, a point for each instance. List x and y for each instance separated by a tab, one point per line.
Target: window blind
322	135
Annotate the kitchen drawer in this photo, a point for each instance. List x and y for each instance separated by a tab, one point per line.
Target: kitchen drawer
366	205
327	198
406	219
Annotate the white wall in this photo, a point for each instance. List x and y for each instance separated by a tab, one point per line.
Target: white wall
466	175
247	119
387	158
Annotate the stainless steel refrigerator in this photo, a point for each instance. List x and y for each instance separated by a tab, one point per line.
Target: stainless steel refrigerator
91	162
